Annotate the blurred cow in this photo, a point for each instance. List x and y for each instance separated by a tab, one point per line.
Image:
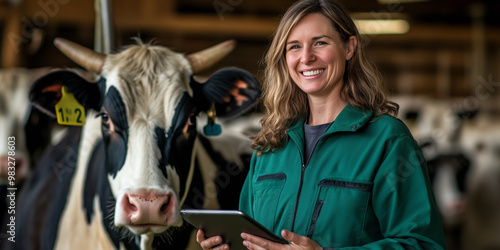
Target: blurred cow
18	120
29	130
231	150
437	127
481	140
120	180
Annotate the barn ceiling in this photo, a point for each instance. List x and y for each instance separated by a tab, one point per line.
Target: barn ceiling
449	42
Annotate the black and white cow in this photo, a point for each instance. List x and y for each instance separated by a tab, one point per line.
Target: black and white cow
18	121
437	126
121	180
29	132
481	224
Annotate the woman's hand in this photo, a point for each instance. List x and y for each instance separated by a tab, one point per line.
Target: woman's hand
211	242
296	242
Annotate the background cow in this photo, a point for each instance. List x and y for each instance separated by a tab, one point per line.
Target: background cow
226	157
19	120
32	132
121	181
481	225
461	141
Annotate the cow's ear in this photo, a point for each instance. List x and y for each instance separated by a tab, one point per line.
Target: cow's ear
232	90
47	91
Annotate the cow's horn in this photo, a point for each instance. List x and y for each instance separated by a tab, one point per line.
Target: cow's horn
204	59
84	57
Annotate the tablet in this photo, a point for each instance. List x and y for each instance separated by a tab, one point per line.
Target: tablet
229	224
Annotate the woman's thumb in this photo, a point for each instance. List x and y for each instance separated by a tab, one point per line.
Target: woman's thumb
289	236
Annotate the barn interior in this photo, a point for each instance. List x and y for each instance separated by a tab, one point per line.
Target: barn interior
440	60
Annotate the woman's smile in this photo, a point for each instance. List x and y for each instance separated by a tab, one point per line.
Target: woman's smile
312	72
316	56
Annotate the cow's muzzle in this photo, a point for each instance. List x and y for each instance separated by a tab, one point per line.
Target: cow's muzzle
144	212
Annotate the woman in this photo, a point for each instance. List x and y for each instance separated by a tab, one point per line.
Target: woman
332	167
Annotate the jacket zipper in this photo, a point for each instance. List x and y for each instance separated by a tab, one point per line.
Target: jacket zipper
302	170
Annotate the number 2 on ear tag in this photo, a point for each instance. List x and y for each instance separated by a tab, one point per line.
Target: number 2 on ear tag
68	110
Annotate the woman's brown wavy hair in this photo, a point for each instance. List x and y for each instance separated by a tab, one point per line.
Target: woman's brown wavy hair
285	103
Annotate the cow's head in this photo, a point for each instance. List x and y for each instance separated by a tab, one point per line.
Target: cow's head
146	102
18	122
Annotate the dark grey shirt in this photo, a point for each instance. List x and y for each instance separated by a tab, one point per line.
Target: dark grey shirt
311	136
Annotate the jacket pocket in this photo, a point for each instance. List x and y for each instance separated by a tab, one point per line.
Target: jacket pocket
339	211
268	189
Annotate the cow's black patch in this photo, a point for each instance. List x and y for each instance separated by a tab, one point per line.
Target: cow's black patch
38	136
459	162
229	178
115	141
174	146
45	92
162	141
97	185
93	182
220	89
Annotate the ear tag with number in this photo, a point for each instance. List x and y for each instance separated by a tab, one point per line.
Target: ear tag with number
68	110
212	129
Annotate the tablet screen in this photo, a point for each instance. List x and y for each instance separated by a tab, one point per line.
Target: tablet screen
229	224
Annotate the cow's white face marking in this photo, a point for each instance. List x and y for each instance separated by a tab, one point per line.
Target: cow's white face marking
150	91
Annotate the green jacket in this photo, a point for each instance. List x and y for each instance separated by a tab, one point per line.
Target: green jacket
366	185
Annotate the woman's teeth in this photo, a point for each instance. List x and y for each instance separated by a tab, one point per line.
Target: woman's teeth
313	73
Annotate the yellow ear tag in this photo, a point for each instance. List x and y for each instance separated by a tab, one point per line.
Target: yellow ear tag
69	111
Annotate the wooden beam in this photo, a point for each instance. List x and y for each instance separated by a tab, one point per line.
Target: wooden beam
250	27
130	15
435	34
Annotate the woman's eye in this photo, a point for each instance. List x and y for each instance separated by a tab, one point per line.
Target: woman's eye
320	43
293	47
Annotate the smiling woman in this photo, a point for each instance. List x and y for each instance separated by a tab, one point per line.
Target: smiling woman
316	56
332	167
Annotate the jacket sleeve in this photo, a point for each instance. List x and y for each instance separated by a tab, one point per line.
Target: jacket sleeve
403	200
246	195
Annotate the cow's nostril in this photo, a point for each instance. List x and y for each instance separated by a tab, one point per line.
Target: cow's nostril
133	208
130	205
164	207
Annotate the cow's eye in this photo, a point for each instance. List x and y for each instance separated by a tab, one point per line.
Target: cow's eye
105	118
104	115
106	121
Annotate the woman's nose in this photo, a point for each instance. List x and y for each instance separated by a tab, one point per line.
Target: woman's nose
307	56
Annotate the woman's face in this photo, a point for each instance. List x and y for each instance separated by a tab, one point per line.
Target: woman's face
316	55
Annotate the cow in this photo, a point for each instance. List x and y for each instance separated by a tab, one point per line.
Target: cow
26	130
19	121
481	225
231	150
437	127
120	180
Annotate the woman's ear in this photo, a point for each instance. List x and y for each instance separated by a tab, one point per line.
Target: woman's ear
351	46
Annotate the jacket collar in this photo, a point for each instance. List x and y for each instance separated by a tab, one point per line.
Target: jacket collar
350	119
